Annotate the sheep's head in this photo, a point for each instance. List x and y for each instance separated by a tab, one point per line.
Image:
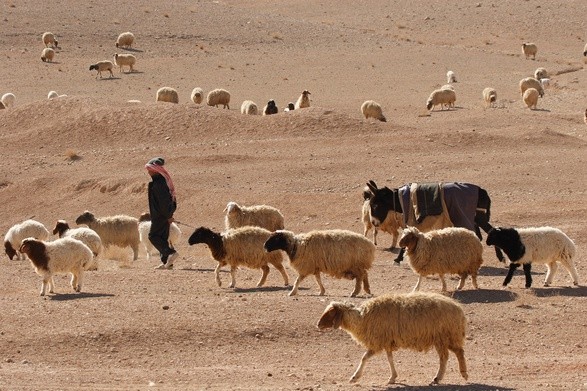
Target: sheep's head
144	217
306	93
35	249
410	238
200	235
232	207
278	240
332	315
60	227
85	218
429	104
10	251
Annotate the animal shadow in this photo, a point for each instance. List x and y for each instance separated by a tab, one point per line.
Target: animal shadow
75	296
445	387
575	291
262	289
133	50
487	296
108	78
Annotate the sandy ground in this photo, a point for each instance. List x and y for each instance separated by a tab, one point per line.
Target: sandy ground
133	327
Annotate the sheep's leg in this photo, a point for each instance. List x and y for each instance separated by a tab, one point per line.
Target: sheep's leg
217	275
358	281
417	287
366	286
570	266
528	273
281	270
75	281
443	282
474	280
319	282
508	278
265	269
392	367
80	278
400	256
359	372
294	290
460	353
46	281
551	270
443	355
375	236
462	281
135	252
233	277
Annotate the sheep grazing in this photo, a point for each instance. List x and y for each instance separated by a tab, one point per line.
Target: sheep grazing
290	107
8	100
197	95
416	321
303	101
64	255
167	94
125	59
145	228
529	49
527	246
49	40
18	232
121	230
240	247
451	77
270	108
530	82
450	250
338	253
125	40
540	73
249	107
47	55
103	66
441	97
531	98
263	216
372	109
87	236
489	96
218	97
392	224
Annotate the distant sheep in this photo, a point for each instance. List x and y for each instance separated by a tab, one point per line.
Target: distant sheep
393	223
540	73
167	94
249	107
18	232
197	95
527	246
87	236
103	66
441	97
338	253
145	228
270	108
52	95
530	82
290	107
65	255
240	247
217	97
545	83
531	98
448	87
120	230
47	55
303	101
450	250
125	59
489	96
49	40
416	321
125	40
451	77
263	216
372	109
8	100
529	49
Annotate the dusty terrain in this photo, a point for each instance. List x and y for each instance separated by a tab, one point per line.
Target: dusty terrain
133	327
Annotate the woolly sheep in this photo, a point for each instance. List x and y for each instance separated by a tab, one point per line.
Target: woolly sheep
52	95
197	95
451	77
47	55
531	98
263	216
64	255
540	73
167	94
49	39
102	66
120	230
530	82
217	97
338	253
18	232
489	96
125	59
416	321
448	87
125	40
240	247
527	246
452	250
303	101
270	108
8	99
249	107
87	236
372	109
145	228
529	49
392	224
441	97
545	83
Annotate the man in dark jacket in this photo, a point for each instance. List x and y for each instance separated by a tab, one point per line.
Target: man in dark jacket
162	205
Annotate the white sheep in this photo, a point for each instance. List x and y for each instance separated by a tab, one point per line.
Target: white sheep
125	59
52	95
240	247
18	232
441	97
103	66
263	216
290	107
49	39
197	95
452	250
303	101
545	83
167	94
217	97
120	230
531	98
448	87
145	228
64	255
530	82
47	55
417	321
87	236
270	108
8	99
393	223
542	245
372	109
489	96
338	253
249	107
451	77
125	40
540	73
529	49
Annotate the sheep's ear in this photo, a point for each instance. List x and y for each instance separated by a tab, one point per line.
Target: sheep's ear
410	241
332	318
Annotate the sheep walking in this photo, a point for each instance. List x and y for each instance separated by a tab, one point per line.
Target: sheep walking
270	108
145	228
18	232
531	98
372	109
87	236
197	95
263	216
303	101
450	250
489	96
49	39
125	40
240	247
530	82
217	97
103	66
8	100
167	94
47	55
338	253
249	107
443	97
125	59
393	223
529	49
416	321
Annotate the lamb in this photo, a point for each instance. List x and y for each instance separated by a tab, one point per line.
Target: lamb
197	95
217	97
416	321
102	66
263	216
527	246
167	94
441	97
270	108
125	40
531	98
120	230
338	253
145	227
540	73
489	96
290	107
452	250
372	109
240	247
392	224
8	99
87	236
249	107
451	77
20	231
530	82
49	39
303	101
125	59
65	255
529	49
54	94
47	55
